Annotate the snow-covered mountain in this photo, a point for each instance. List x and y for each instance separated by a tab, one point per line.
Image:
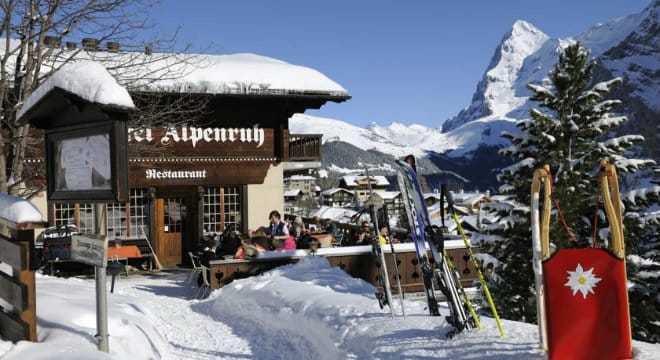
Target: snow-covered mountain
628	47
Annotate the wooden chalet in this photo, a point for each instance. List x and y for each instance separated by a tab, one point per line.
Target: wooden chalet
224	169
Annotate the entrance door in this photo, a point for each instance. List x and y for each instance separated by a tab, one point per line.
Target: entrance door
171	219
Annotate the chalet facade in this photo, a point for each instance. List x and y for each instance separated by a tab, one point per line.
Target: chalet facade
359	184
227	168
305	183
337	197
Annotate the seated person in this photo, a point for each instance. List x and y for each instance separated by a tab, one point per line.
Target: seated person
251	247
205	260
315	224
230	241
384	235
331	228
301	237
360	238
290	242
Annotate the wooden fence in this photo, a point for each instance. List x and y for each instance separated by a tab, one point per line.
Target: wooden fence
18	319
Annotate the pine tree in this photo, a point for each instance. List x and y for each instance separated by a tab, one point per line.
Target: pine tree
570	132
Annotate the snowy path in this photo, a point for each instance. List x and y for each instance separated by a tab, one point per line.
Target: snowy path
183	322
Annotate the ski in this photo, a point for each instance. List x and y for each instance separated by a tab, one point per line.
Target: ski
397	274
385	297
420	248
444	276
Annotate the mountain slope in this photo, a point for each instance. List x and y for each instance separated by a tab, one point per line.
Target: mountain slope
628	47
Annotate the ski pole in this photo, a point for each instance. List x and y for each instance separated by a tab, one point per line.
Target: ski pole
450	204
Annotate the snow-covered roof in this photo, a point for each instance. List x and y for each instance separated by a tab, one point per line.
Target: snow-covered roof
247	73
242	73
301	177
292	192
431	195
352	180
388	195
18	210
499	198
334	213
332	191
87	79
467	198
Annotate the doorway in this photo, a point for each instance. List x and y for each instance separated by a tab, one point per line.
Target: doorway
172	226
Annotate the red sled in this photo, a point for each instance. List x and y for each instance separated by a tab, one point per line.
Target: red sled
586	303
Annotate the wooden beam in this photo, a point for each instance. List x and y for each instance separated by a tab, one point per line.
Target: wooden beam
14	254
11	328
13	292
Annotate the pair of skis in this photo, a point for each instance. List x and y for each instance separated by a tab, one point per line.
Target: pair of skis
384	297
442	275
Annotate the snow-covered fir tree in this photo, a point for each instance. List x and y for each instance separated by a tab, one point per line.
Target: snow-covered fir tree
571	132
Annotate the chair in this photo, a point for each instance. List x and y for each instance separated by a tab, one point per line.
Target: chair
206	286
197	267
338	239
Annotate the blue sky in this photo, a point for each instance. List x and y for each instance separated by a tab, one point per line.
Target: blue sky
402	61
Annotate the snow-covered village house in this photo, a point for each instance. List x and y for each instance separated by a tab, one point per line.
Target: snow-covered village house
305	183
337	197
225	168
359	184
472	201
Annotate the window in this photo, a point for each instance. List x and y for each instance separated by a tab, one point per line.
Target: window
116	220
139	211
65	214
86	218
222	207
118	216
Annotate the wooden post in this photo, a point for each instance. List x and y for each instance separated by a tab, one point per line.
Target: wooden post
29	314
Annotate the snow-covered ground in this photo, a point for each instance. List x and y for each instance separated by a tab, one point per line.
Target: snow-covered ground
303	311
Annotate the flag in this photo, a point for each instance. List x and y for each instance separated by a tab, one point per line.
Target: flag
586	305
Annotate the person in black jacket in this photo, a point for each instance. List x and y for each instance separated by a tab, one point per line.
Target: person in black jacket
205	259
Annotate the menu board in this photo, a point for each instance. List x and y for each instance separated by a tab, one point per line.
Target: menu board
83	163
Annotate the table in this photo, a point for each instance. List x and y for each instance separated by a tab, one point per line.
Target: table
325	240
128	251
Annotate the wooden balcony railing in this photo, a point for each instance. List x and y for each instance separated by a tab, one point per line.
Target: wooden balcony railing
304	147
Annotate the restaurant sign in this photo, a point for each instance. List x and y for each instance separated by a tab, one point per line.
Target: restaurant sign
196	135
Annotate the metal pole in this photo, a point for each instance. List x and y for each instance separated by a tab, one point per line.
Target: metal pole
101	291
